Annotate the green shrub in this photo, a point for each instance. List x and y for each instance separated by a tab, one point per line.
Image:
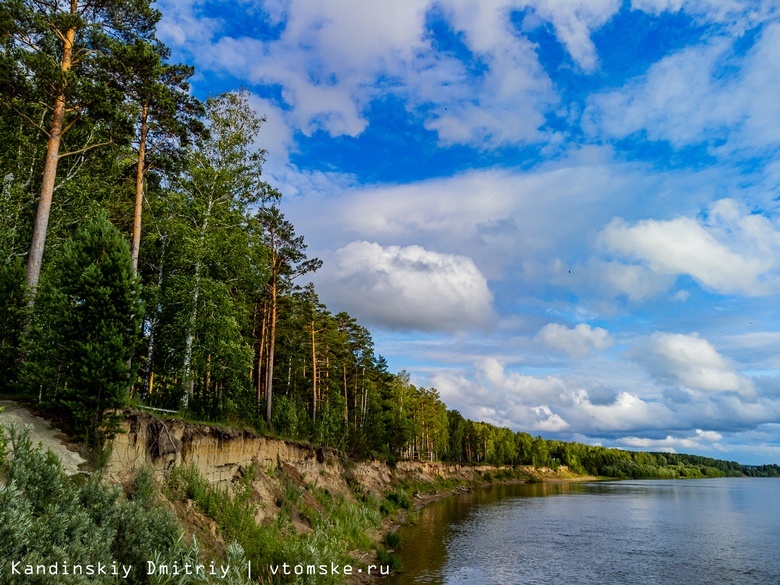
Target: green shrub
143	525
86	327
233	512
400	499
387	508
47	518
3	448
412	518
339	527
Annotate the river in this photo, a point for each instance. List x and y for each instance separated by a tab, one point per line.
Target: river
689	532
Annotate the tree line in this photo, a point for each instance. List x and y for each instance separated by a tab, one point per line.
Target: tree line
143	257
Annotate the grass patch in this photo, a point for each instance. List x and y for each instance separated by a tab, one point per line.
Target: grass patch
390	559
400	499
340	526
392	540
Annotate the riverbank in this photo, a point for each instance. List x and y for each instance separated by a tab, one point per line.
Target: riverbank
310	506
574	532
519	475
282	501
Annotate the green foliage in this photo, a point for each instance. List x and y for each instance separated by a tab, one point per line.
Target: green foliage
338	527
143	489
602	461
389	559
3	449
761	470
160	96
13	312
348	521
207	261
540	454
32	59
233	510
186	483
47	518
289	417
234	514
86	329
143	527
392	540
400	499
21	155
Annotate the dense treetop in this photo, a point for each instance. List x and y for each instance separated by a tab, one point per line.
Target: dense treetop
203	309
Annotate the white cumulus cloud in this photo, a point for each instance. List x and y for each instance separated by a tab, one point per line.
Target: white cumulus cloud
729	251
690	361
574	21
671	444
577	341
738	15
520	401
409	288
333	57
701	94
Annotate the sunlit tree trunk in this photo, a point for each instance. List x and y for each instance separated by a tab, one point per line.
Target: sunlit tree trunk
261	344
346	399
35	257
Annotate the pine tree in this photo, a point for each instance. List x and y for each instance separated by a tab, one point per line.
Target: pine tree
287	262
56	55
167	115
87	328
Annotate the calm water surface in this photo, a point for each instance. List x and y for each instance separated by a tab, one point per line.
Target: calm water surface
713	531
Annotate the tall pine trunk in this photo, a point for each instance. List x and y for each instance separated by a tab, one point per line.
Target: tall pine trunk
346	398
262	354
35	257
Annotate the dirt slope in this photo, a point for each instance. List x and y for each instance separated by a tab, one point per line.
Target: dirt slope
44	433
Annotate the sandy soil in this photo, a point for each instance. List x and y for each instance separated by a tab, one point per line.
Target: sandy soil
45	434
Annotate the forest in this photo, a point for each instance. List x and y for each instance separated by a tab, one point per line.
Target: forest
145	260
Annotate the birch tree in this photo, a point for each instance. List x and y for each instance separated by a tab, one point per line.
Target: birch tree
221	180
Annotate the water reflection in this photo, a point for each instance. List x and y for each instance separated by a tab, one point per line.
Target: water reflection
430	537
696	531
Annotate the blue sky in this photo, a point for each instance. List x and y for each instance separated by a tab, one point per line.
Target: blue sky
562	214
